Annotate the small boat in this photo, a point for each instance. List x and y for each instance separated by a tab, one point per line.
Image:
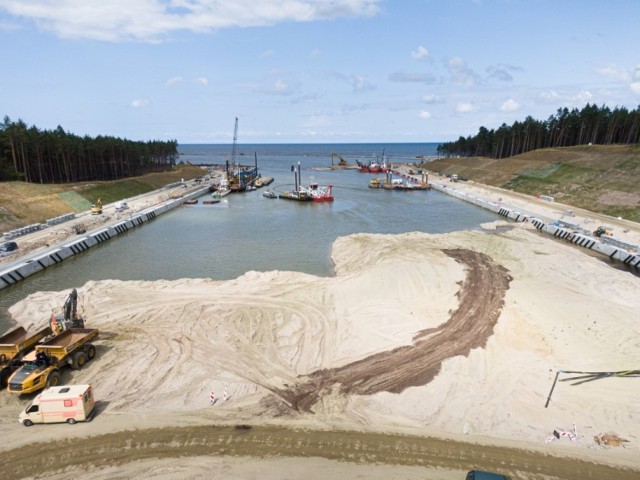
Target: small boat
192	201
211	202
269	194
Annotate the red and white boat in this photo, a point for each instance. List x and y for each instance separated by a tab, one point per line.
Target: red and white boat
320	193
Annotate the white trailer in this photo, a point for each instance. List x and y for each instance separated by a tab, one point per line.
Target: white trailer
68	403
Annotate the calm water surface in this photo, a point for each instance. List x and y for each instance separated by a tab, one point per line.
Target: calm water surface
249	232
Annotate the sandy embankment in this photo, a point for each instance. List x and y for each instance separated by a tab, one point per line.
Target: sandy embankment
500	313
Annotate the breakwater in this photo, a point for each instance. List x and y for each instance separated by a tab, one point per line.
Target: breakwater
35	263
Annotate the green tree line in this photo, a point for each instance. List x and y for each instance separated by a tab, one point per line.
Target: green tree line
55	156
591	125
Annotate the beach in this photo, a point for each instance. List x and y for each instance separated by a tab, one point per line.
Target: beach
453	336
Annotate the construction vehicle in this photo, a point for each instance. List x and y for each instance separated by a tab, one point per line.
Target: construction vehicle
71	404
602	230
68	316
42	367
96	208
341	163
13	346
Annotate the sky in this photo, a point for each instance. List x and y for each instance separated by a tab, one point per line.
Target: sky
311	71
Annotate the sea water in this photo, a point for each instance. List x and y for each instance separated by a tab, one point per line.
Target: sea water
247	231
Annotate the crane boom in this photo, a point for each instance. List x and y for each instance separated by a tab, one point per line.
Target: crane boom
234	148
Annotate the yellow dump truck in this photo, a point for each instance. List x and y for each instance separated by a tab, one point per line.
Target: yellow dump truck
71	404
13	346
41	368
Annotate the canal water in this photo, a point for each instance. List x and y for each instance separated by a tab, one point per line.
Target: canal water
250	232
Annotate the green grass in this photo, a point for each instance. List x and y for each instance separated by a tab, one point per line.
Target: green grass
75	201
114	191
544	173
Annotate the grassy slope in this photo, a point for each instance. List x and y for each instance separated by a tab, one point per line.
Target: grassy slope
603	179
25	203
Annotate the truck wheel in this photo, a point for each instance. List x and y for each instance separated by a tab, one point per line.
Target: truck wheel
53	380
27	422
79	359
71	421
91	352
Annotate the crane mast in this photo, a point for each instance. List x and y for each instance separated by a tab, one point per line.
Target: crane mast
234	148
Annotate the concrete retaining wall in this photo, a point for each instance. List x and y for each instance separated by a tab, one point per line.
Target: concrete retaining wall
612	251
80	244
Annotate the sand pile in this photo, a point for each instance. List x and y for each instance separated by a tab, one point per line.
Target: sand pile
446	335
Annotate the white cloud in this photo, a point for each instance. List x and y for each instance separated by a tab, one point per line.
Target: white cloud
412	77
278	87
464	107
173	81
424	115
420	53
281	86
550	95
510	106
268	53
201	80
361	84
153	20
614	72
139	103
502	72
460	73
432	99
584	96
635	87
315	54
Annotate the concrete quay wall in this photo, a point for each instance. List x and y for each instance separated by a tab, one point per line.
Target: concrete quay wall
38	262
614	252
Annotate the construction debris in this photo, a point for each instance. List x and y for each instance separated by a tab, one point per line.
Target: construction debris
609	439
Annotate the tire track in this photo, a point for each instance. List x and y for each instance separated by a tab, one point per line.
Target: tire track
481	298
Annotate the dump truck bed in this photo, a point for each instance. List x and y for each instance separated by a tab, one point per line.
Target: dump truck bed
18	341
68	341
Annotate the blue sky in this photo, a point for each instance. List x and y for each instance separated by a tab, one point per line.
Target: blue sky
311	71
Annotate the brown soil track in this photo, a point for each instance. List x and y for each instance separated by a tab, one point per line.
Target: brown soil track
481	298
81	455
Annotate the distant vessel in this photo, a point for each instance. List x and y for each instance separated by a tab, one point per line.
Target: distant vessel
269	194
374	166
320	193
240	178
314	193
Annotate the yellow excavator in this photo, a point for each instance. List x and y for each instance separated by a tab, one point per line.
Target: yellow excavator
96	208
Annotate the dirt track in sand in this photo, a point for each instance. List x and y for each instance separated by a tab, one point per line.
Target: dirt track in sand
481	298
171	448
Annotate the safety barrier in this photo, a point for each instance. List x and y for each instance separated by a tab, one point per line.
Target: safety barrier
20	271
61	219
24	230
